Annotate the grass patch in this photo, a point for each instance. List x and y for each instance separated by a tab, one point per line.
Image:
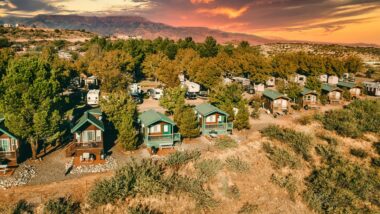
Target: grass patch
62	205
375	162
177	158
280	157
298	141
248	208
207	169
225	142
231	191
360	153
288	182
23	207
305	120
377	147
329	139
237	164
142	209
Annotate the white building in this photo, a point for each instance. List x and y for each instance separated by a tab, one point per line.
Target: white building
259	87
333	80
323	78
300	79
135	89
271	82
372	88
93	97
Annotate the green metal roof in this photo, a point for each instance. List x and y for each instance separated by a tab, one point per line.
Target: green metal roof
306	91
329	88
347	85
3	129
207	109
88	118
95	111
273	95
150	117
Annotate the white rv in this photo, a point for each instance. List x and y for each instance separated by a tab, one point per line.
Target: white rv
259	87
372	88
242	80
333	80
93	97
156	93
135	89
323	78
271	82
300	79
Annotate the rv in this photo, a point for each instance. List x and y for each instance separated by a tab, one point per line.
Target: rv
156	93
93	97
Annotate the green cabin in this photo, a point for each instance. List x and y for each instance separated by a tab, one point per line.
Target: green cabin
276	102
354	89
88	134
333	93
9	147
158	130
212	120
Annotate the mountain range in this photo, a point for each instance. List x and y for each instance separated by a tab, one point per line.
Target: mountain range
132	26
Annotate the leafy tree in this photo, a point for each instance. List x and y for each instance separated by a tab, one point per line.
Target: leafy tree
291	89
5	55
30	101
209	48
187	121
173	98
151	64
353	64
242	117
313	83
121	110
4	42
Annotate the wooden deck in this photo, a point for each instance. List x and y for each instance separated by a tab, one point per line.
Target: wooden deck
8	173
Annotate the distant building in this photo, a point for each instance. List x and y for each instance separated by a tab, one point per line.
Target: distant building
372	88
354	89
300	79
276	102
64	55
333	80
308	99
213	120
7	25
334	94
271	82
93	97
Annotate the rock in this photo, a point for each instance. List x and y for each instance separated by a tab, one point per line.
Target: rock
23	175
110	164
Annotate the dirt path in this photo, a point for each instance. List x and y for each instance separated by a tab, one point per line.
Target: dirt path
76	188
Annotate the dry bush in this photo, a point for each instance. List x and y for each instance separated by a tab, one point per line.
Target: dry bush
281	158
237	164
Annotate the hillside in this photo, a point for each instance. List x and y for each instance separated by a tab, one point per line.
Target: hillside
131	25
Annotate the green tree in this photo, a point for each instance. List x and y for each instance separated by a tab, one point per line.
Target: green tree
173	98
227	98
187	121
313	83
121	110
4	42
242	117
353	64
209	48
30	101
291	89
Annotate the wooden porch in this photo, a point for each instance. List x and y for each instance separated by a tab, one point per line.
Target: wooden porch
77	149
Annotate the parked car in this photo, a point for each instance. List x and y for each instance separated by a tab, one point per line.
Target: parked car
155	93
191	96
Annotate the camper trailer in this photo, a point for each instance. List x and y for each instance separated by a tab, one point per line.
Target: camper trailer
300	79
333	80
372	88
323	78
93	97
271	82
259	88
156	93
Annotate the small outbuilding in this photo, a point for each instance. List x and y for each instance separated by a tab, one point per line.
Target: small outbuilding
158	130
372	88
276	102
213	120
308	99
354	89
334	94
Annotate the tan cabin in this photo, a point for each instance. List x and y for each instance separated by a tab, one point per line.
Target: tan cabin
276	102
334	94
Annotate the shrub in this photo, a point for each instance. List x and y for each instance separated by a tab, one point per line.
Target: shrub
237	164
299	141
22	207
305	120
180	158
225	142
375	162
242	117
248	208
288	182
360	153
327	152
61	206
340	186
231	191
208	168
144	178
377	147
142	209
281	158
329	139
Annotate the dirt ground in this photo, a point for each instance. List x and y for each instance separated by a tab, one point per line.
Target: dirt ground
255	186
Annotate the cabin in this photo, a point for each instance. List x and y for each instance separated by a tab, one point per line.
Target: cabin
271	82
93	97
308	99
300	79
372	88
334	94
9	148
333	80
212	120
88	131
323	78
276	102
158	130
354	89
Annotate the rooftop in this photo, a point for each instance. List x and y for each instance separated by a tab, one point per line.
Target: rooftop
88	118
273	95
207	109
150	117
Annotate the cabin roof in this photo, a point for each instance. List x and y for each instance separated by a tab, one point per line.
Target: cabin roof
306	91
274	95
3	129
151	117
329	88
95	111
347	85
88	118
207	109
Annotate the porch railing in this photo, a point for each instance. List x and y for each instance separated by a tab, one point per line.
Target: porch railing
74	146
216	126
164	137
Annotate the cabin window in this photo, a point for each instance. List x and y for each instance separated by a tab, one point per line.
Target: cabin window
221	118
88	136
98	135
211	119
4	145
155	129
166	128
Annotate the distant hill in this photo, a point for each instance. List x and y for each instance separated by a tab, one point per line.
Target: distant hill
132	25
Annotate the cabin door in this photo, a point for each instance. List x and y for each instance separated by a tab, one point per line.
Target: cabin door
284	104
337	95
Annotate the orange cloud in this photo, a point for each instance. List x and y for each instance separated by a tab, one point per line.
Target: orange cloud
201	1
226	11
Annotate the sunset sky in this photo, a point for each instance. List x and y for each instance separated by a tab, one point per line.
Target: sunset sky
343	21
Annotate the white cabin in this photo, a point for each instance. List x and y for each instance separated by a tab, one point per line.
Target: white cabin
333	80
93	97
